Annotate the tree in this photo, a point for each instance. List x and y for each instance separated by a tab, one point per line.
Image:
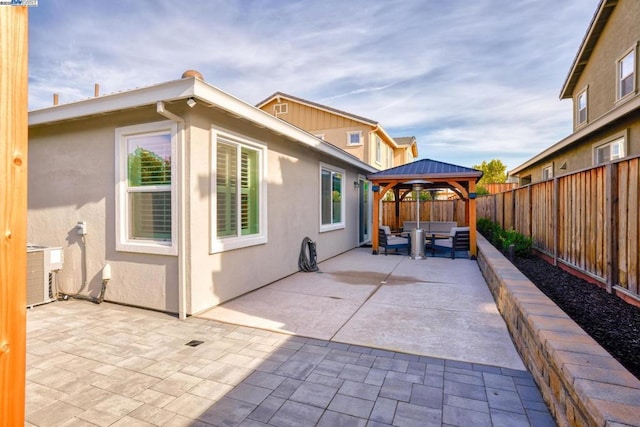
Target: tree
494	172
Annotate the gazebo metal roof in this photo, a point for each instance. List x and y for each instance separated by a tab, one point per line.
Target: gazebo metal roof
427	168
434	175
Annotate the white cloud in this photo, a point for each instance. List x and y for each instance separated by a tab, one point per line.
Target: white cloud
471	80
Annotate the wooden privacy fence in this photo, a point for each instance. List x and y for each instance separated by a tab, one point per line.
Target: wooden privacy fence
437	210
588	220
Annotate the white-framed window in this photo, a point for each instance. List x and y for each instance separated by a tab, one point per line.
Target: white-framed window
332	195
354	138
146	188
239	192
389	157
581	108
609	151
378	150
547	172
280	109
626	74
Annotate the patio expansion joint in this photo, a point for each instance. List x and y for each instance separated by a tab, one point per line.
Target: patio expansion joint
378	286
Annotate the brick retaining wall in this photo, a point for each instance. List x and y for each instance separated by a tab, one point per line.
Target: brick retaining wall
580	381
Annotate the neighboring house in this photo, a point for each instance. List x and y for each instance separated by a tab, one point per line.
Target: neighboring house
364	138
192	196
408	150
603	83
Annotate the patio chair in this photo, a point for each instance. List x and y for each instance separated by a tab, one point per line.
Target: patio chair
388	241
458	241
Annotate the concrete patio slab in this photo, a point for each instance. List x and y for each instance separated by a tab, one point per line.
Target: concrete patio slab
435	307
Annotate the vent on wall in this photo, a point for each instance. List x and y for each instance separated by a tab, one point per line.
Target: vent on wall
42	262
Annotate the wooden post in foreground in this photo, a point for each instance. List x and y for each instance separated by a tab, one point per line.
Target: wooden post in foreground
13	212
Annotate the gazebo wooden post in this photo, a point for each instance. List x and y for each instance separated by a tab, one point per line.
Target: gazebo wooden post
396	197
473	250
13	212
376	218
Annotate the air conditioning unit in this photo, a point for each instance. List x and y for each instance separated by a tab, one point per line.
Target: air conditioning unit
42	263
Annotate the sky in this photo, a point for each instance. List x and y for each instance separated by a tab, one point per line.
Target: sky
472	80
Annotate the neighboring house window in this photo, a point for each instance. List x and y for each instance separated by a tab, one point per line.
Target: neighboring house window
610	151
238	202
146	202
280	109
378	150
354	138
581	108
626	74
547	172
331	198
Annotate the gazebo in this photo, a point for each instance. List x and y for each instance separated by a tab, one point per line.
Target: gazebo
431	174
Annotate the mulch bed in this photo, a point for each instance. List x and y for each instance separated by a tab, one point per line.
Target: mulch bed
613	323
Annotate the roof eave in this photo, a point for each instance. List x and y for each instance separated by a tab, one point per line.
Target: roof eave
169	91
584	52
317	106
437	176
182	89
627	108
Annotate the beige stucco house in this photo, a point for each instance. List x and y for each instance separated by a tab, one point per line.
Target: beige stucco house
190	195
603	84
364	138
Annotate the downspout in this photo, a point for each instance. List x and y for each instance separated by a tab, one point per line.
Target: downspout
182	270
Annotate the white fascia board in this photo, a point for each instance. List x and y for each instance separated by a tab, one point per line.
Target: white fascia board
181	89
239	108
135	98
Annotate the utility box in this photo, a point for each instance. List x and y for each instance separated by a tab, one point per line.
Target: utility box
42	263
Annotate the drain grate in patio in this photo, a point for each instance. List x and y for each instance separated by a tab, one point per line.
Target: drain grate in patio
194	343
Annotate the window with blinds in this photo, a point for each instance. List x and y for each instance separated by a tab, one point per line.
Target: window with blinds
238	188
146	219
149	186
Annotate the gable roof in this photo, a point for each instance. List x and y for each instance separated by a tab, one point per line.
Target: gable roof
280	95
405	140
183	89
408	142
427	168
376	125
594	31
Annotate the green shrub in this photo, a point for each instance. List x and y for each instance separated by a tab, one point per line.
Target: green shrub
503	239
522	244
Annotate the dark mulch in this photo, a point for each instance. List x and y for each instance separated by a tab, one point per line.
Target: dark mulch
613	323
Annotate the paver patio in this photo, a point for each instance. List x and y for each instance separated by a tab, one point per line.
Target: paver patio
112	365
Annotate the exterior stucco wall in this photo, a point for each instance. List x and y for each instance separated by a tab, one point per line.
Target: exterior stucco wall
621	33
599	77
580	155
293	213
71	179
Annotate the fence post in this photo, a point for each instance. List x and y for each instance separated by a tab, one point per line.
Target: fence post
13	214
530	211
556	215
611	224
